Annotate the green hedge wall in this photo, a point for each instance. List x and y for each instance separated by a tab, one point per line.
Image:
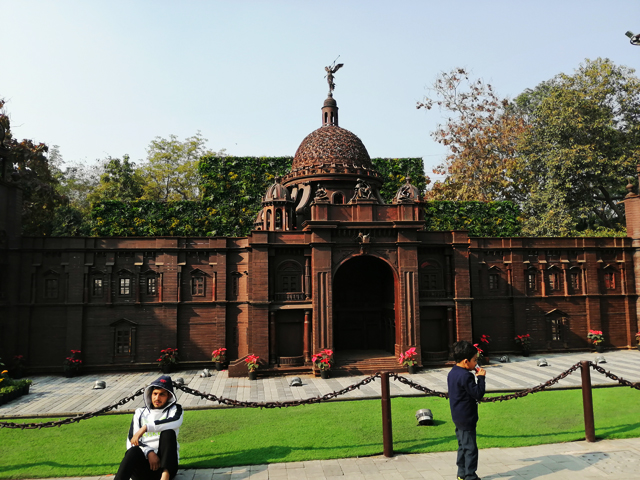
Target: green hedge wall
233	188
490	219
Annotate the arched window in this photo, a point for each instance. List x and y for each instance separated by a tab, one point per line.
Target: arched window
338	198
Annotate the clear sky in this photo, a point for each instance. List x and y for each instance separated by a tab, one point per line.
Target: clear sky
104	78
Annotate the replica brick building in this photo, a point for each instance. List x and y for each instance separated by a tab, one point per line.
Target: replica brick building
328	265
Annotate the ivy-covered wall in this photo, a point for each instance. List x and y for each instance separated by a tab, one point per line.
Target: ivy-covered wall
232	192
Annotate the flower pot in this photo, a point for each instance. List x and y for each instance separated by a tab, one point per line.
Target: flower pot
525	353
70	373
219	366
253	375
166	368
324	374
411	369
638	347
599	348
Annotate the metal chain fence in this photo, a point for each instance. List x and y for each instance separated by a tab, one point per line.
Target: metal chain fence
318	399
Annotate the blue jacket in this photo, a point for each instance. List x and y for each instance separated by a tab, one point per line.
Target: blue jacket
464	394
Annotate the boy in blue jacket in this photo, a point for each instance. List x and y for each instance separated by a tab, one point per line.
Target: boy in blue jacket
464	395
152	443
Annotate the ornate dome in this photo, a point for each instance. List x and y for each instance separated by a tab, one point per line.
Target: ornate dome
331	149
277	193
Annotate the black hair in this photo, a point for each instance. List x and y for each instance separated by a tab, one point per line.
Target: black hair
463	350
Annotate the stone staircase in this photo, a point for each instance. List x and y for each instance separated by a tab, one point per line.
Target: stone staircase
366	362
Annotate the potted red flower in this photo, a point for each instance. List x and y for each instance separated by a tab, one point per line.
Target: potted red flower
168	359
524	343
219	356
323	361
596	338
409	360
252	366
72	364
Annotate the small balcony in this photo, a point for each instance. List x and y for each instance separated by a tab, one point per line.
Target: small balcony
289	297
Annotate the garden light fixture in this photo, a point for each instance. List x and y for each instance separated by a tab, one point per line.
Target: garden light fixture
295	382
600	359
99	385
543	362
424	417
178	381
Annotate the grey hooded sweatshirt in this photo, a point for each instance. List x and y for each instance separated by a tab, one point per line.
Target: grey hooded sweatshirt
156	419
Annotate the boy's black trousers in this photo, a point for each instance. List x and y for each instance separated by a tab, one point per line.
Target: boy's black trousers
467	454
136	466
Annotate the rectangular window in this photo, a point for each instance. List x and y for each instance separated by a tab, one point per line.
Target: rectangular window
51	288
430	281
555	281
98	288
575	281
197	286
123	342
610	281
556	329
151	286
289	283
493	281
531	281
125	286
235	285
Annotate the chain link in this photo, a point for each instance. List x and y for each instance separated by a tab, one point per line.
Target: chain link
288	403
76	419
321	398
620	380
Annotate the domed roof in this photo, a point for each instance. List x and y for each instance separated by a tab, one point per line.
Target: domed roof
277	193
330	147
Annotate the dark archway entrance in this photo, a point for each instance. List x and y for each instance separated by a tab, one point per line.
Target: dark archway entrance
363	305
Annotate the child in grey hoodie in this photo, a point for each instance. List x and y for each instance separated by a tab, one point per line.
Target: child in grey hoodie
152	443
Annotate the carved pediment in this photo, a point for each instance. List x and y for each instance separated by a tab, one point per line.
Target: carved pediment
557	312
124	271
123	322
51	272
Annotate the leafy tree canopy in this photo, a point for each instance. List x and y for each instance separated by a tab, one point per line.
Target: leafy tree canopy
27	164
563	151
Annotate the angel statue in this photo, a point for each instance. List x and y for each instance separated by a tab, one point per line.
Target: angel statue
329	76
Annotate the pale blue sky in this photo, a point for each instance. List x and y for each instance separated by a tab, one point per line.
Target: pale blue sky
103	78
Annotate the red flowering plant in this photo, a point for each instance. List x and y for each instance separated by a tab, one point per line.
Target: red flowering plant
523	341
219	355
480	352
323	360
168	356
595	337
73	363
408	358
638	338
252	362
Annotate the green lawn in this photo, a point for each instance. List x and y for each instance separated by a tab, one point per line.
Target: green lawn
226	437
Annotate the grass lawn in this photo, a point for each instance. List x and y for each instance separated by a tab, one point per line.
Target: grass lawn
226	437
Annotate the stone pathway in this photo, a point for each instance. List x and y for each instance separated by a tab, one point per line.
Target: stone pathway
59	396
606	459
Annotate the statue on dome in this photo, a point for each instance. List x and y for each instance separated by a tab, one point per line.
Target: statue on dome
362	191
321	193
329	76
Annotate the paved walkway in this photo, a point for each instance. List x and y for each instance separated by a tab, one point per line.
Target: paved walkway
59	396
606	459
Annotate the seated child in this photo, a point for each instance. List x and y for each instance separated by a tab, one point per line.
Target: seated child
152	443
464	395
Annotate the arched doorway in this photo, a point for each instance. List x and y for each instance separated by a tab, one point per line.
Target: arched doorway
363	305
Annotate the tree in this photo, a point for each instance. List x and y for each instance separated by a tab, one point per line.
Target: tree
28	166
581	147
120	181
481	133
171	171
